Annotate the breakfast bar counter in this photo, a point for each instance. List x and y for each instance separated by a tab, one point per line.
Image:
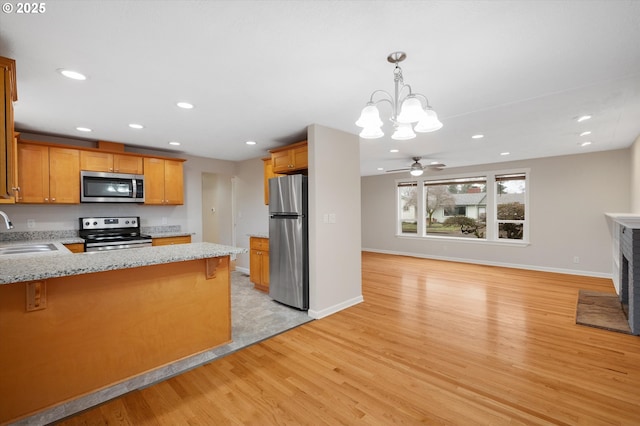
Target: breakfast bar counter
71	324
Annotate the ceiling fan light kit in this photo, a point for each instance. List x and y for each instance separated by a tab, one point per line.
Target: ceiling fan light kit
406	108
417	169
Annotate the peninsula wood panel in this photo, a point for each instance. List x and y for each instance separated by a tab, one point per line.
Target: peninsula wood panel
101	328
433	342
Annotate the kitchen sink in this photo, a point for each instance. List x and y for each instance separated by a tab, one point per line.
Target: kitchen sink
27	248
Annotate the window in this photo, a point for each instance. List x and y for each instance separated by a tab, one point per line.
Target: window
456	207
408	207
491	207
510	206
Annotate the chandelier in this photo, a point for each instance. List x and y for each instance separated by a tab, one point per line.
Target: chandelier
406	109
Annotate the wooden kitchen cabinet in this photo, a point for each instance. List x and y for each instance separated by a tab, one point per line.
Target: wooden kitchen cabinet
48	175
290	159
109	162
8	148
259	263
268	174
164	181
167	241
75	247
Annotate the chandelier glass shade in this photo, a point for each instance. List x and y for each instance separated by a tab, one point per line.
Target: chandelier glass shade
407	108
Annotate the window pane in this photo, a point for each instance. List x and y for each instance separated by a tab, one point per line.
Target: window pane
511	231
407	203
510	206
456	208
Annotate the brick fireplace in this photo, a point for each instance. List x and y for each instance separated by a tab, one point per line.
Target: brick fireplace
630	276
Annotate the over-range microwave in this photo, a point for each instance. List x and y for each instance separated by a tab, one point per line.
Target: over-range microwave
102	187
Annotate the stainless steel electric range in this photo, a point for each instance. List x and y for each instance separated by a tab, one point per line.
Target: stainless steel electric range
112	233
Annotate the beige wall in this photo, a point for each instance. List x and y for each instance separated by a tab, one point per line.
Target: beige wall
252	215
568	198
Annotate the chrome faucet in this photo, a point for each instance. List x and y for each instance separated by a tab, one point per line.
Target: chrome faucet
6	220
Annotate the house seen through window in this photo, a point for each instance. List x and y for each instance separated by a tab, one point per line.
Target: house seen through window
490	207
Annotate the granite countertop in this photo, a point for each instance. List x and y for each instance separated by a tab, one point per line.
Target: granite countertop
167	234
61	263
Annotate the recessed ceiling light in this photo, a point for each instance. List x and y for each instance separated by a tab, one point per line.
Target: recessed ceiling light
477	136
185	105
394	150
380	169
585	133
505	153
174	143
583	118
136	126
585	143
251	142
74	75
83	129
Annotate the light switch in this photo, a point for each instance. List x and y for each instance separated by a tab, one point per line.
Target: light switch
332	218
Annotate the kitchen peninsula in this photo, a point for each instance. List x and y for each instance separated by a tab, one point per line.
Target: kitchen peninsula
72	324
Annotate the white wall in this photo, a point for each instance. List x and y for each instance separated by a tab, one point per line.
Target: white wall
335	280
568	198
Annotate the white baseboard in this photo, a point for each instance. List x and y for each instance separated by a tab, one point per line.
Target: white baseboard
242	269
315	314
504	265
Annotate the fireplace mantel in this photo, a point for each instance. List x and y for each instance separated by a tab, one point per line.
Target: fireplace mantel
629	220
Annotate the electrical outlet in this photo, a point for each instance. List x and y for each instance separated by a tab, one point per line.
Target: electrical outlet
576	259
31	223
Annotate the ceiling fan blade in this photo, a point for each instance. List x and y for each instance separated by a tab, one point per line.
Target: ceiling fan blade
397	170
437	166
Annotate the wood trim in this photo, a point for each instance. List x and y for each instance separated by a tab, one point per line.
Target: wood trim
82	148
288	147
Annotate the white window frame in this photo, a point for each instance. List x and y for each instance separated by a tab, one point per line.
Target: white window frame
491	235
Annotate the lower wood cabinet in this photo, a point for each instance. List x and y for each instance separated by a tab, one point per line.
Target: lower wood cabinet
75	247
259	263
166	241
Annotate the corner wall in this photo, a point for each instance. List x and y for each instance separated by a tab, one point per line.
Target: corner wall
335	280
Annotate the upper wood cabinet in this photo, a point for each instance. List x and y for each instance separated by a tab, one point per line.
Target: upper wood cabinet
8	149
164	182
109	162
290	159
48	175
268	174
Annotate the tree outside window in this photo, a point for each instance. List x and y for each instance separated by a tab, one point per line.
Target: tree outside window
492	207
408	206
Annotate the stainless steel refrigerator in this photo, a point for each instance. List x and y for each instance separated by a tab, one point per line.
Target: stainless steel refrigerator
289	241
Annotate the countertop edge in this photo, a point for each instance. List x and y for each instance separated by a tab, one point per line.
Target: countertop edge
44	266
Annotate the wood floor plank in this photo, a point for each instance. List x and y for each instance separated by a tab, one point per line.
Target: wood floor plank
433	342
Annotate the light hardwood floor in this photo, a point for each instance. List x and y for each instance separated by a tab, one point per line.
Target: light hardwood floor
433	342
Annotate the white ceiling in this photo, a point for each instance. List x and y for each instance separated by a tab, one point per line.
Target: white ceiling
519	72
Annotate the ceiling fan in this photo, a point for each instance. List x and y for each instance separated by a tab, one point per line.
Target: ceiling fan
416	169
